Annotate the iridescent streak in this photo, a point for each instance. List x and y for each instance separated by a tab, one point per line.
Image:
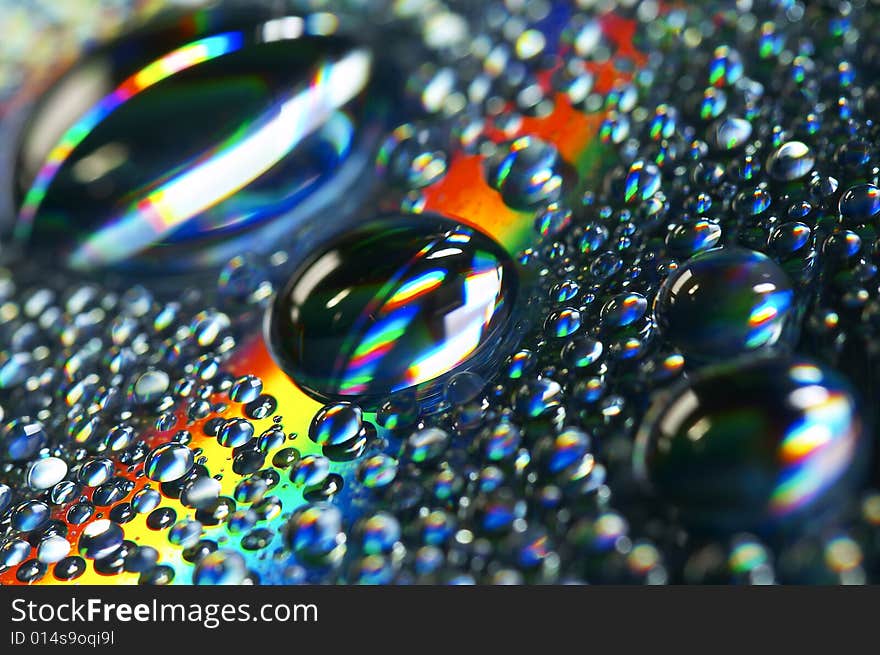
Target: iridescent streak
816	452
229	167
482	291
174	62
381	337
414	289
507	164
630	310
378	341
764	328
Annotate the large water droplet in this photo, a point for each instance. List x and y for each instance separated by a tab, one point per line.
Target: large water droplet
724	302
791	161
394	304
156	150
746	445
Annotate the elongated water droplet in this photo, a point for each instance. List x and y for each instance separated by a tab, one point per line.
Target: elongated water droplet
155	150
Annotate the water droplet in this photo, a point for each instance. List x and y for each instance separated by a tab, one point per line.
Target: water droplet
245	389
377	471
582	352
141	559
501	441
53	549
200	492
119	438
314	533
726	67
746	445
526	173
378	533
614	128
371	314
70	568
790	161
622	310
337	424
185	533
95	472
413	157
80	512
5	497
46	473
399	412
713	103
21	439
122	513
30	571
169	462
286	457
161	518
729	133
250	490
426	445
860	203
149	387
158	149
263	406
235	432
642	181
99	539
537	398
221	567
789	238
145	501
553	220
724	302
310	471
13	552
158	575
751	202
562	323
30	515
